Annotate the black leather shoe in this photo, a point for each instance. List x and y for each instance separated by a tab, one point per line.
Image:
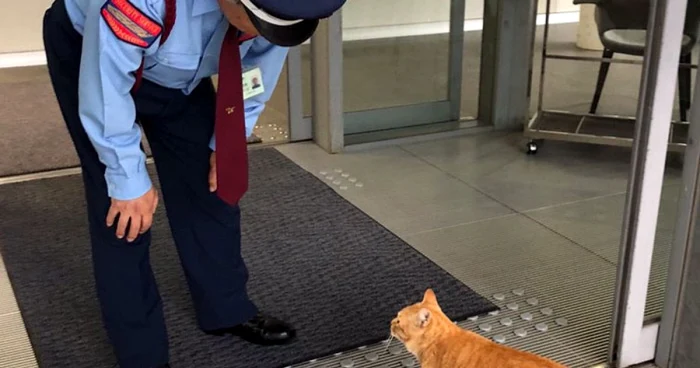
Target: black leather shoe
261	330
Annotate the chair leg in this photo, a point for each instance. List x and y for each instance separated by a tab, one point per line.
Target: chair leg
684	80
602	75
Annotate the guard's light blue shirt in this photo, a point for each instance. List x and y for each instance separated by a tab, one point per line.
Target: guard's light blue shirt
190	54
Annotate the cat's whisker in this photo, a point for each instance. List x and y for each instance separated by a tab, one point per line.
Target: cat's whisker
388	343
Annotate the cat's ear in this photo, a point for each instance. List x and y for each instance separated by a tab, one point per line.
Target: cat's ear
424	317
429	297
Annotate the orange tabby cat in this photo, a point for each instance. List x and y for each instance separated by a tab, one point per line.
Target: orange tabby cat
438	343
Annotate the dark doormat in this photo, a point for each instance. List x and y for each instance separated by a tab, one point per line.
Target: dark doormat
314	259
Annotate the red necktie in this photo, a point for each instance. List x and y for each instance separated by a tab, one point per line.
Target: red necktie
231	146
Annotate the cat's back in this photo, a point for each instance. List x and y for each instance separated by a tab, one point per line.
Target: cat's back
470	350
501	356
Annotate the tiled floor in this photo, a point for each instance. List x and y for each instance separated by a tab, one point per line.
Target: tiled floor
500	220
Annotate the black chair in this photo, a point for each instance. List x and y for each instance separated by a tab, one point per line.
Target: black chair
622	28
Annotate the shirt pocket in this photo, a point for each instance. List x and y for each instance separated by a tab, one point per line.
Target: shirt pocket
180	61
173	70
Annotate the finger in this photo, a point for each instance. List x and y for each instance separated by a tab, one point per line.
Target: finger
121	226
146	222
134	228
212	179
111	215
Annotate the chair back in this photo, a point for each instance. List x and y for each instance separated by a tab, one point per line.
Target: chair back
622	14
634	14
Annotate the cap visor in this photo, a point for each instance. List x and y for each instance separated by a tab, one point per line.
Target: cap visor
287	36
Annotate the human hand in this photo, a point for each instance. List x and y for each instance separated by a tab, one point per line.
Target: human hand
135	213
212	172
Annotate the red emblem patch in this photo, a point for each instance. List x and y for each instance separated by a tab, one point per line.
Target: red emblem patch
130	24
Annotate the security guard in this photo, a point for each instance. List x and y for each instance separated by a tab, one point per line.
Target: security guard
120	67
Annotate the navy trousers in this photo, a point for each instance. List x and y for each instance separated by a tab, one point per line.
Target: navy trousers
206	230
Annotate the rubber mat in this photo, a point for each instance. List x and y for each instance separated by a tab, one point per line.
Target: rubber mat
314	259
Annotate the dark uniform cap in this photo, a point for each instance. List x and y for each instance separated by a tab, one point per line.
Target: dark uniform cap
289	22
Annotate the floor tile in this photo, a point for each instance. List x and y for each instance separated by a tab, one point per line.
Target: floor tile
511	251
562	172
404	193
596	223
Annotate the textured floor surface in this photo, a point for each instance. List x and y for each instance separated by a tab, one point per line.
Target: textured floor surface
547	226
313	257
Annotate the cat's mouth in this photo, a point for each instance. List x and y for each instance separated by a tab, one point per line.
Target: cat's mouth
397	332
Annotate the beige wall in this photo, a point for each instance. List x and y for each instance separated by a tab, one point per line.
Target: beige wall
21	24
21	20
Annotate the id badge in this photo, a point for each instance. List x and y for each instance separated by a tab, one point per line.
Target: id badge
252	83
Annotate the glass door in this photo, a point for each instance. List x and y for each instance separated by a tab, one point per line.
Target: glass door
402	63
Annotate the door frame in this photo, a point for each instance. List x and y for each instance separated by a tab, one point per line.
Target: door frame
300	127
632	340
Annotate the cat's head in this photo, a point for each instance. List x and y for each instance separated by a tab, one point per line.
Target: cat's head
414	321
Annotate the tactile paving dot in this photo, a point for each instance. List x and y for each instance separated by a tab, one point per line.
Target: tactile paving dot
547	311
501	339
473	318
345	175
494	313
512	306
329	177
408	362
347	363
519	292
542	327
338	170
359	185
507	322
352	180
521	332
395	350
324	173
486	327
372	357
337	182
499	297
343	187
562	322
527	316
533	301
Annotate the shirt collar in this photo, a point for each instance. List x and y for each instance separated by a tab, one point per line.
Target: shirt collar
200	7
